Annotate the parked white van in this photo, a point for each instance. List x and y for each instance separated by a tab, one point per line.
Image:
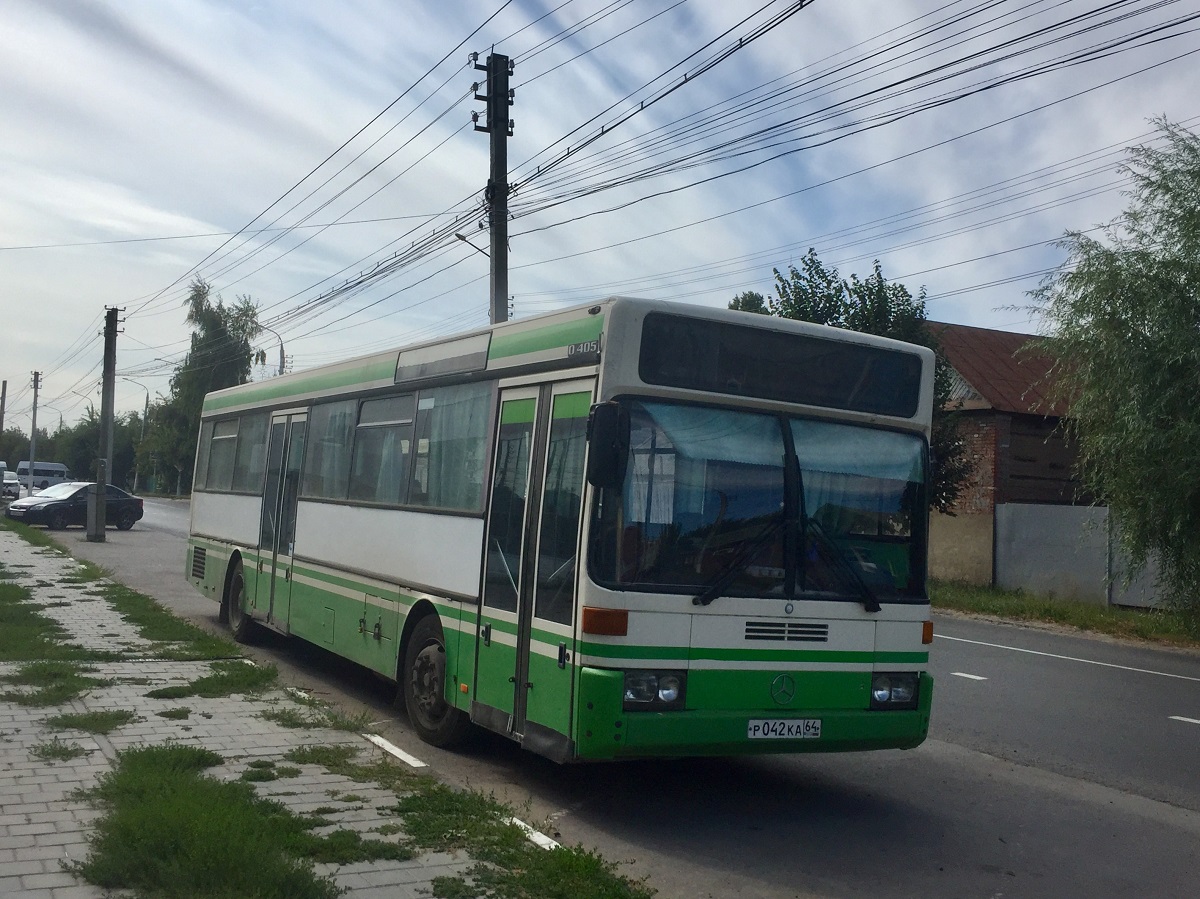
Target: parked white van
44	473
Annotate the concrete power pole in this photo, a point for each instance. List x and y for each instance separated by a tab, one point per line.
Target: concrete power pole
97	501
37	382
499	97
108	390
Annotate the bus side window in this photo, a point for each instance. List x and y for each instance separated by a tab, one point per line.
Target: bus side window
327	464
450	447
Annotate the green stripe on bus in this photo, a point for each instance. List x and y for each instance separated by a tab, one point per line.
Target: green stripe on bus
684	653
572	405
303	386
548	338
518	412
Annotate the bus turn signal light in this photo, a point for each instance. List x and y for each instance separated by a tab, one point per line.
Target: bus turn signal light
605	622
927	632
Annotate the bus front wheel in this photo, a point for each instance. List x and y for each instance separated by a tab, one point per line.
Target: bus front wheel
241	625
423	686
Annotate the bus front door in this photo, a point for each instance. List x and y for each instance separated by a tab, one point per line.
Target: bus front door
277	532
526	639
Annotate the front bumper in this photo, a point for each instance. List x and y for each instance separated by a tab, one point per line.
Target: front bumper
605	731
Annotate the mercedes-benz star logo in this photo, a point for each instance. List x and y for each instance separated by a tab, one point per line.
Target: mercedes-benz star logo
783	689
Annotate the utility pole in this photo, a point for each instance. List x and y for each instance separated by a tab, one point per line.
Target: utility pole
37	382
3	402
97	517
498	97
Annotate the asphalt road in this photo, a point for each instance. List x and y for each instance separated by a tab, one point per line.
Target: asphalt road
1057	766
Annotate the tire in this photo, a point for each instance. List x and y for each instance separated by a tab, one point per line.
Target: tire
241	625
57	520
423	687
125	522
44	485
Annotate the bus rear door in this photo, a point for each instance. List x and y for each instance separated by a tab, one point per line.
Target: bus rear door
526	638
285	455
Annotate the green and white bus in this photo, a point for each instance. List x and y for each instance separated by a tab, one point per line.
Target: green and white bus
630	529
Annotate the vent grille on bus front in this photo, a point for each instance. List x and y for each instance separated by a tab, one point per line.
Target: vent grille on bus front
199	559
788	631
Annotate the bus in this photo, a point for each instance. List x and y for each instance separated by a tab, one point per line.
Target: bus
630	529
45	474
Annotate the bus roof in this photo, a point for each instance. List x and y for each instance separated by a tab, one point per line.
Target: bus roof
565	338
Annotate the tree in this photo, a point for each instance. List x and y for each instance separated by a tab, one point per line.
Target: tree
1122	322
221	353
817	293
220	356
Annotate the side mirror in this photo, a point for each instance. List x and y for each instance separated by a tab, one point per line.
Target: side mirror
608	445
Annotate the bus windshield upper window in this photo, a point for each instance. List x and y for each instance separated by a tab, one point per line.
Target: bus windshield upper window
720	357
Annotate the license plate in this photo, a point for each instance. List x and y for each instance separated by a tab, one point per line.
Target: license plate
16	513
784	729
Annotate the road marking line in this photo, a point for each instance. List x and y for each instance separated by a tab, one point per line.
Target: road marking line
411	760
1184	720
536	837
1052	655
967	676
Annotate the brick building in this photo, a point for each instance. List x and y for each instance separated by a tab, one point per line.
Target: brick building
1021	456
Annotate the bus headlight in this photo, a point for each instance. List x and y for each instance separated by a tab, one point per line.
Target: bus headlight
894	690
657	691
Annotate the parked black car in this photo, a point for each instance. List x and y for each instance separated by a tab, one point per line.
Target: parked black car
65	504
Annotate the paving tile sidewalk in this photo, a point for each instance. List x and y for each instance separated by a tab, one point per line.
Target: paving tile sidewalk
42	826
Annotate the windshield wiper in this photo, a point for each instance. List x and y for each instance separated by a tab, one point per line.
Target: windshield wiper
841	563
739	563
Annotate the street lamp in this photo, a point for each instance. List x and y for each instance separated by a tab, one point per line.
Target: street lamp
463	238
280	339
137	466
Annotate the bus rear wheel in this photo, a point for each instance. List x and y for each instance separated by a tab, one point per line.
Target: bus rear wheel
423	686
241	625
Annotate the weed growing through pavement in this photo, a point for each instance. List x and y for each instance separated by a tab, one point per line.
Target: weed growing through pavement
156	793
319	716
436	817
57	751
50	682
228	678
26	634
93	722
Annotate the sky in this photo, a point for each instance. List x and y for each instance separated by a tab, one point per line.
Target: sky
320	159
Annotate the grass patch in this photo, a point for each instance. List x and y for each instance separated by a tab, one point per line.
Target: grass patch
1165	626
26	634
341	760
93	722
229	678
292	718
57	751
169	830
157	625
30	534
53	683
180	714
319	716
509	865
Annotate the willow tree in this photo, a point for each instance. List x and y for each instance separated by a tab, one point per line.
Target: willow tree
1122	321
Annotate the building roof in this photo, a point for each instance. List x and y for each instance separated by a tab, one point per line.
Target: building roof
991	373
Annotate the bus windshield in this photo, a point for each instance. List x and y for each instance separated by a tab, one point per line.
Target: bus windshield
736	503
